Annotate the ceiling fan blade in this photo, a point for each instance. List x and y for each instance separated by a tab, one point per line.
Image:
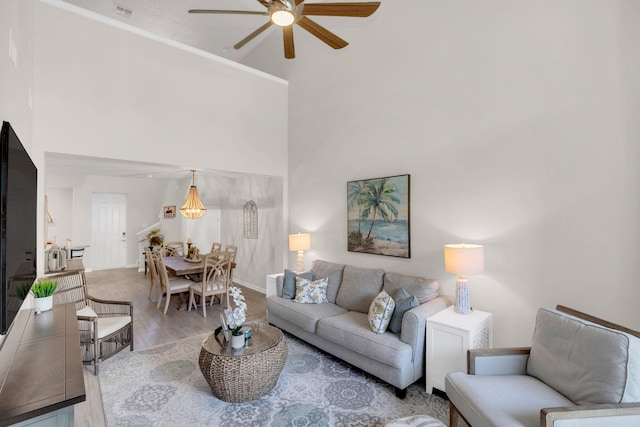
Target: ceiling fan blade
359	10
229	12
322	33
252	35
287	34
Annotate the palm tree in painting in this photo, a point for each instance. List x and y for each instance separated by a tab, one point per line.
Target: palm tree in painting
355	191
379	197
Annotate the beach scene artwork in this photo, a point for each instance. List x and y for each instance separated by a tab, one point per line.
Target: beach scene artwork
378	216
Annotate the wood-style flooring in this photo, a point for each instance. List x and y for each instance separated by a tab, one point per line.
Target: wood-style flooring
150	326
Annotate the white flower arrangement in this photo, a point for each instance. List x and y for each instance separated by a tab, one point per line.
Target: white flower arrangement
236	317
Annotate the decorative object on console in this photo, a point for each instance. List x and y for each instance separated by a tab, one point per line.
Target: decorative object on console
463	260
193	207
299	242
235	317
43	294
378	216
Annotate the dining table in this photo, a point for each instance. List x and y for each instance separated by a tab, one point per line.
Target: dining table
181	267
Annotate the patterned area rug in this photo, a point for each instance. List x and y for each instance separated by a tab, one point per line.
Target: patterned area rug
163	386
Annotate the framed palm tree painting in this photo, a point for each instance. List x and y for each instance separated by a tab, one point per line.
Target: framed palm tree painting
378	216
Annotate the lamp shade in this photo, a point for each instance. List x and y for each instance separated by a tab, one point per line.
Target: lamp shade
299	242
464	259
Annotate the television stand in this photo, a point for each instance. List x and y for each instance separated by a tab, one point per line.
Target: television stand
41	369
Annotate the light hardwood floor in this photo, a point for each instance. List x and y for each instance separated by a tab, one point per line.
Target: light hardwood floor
150	326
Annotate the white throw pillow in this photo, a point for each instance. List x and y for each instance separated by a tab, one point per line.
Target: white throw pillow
311	291
380	312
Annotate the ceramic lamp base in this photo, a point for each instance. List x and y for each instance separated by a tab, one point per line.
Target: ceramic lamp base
300	262
462	304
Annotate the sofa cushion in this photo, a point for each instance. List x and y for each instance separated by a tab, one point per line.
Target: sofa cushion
311	291
423	289
289	282
359	287
331	270
380	312
587	362
404	302
305	316
501	400
351	330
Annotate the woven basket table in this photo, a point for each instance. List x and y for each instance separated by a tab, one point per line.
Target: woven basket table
240	375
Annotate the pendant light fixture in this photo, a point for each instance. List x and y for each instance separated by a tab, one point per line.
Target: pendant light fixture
193	207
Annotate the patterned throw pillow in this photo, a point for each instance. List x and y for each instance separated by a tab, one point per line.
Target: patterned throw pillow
380	312
311	291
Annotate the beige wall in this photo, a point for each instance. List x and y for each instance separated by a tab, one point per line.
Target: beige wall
518	124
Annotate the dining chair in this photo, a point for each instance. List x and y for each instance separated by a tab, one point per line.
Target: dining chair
154	278
105	326
216	247
168	286
215	282
173	249
233	250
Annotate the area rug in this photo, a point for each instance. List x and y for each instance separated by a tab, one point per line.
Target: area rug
163	386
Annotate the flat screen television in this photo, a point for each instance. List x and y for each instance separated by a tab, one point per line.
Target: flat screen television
18	189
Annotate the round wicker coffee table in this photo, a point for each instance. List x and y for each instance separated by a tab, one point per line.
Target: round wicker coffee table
247	373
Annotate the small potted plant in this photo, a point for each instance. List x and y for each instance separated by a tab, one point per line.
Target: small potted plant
155	238
235	317
43	291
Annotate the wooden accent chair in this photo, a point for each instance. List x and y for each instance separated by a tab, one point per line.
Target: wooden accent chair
168	286
215	281
106	327
579	371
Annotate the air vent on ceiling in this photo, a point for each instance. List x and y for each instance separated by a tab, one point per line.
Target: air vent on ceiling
122	11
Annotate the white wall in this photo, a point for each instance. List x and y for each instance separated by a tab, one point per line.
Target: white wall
117	92
518	124
114	93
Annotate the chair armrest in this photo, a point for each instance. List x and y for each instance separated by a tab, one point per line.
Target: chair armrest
498	361
110	308
619	415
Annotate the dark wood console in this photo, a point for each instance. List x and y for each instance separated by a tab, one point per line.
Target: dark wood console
40	365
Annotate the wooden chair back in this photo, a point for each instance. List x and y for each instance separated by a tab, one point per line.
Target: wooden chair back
72	287
173	249
232	250
216	247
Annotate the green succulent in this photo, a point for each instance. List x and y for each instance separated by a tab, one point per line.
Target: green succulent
44	288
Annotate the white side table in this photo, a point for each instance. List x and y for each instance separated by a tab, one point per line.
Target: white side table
449	336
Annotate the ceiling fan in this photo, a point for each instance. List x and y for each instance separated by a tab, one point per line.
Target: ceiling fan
285	13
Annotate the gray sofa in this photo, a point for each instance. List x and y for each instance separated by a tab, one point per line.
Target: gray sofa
580	371
341	328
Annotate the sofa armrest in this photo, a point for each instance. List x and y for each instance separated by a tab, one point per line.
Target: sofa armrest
619	415
498	361
414	323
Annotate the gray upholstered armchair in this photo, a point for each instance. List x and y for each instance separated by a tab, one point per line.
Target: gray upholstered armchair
580	371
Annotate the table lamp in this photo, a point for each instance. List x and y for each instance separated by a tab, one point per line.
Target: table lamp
463	259
299	242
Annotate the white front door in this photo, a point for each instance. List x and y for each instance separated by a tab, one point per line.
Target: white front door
108	231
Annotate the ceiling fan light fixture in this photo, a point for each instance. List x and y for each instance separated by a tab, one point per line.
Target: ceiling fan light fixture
282	18
193	207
